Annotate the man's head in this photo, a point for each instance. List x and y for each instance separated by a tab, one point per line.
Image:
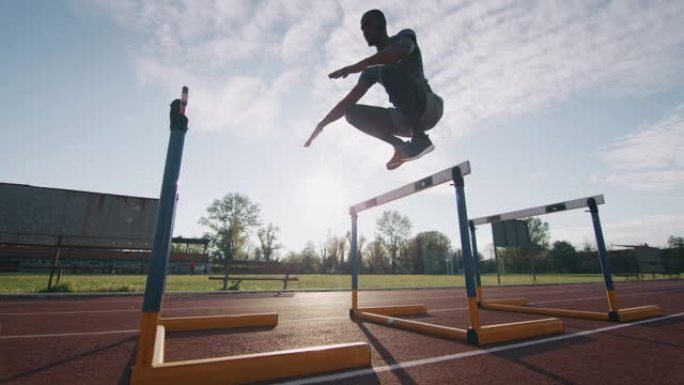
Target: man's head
374	27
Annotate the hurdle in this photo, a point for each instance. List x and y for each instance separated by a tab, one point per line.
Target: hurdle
475	334
520	305
150	368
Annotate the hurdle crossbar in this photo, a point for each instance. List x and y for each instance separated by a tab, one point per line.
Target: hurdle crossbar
412	188
475	334
539	210
519	305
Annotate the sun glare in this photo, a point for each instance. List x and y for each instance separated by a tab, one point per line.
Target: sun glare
323	194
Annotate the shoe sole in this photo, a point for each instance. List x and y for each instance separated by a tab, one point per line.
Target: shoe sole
427	150
394	165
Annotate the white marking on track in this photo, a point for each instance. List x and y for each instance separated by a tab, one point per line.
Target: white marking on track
471	353
79	334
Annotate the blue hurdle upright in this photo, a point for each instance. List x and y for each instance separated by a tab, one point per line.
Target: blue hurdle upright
151	368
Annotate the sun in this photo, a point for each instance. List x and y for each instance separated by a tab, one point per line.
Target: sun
324	194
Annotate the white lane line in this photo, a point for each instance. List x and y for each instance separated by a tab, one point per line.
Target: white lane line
472	353
79	334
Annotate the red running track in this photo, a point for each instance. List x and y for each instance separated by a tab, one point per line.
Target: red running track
92	340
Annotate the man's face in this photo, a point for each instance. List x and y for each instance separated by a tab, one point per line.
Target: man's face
371	30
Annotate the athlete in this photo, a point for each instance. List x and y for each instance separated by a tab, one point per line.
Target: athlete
398	66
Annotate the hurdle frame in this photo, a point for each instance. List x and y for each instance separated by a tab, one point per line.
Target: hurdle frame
475	334
520	305
150	367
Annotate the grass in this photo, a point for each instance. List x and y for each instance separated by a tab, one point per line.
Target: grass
34	283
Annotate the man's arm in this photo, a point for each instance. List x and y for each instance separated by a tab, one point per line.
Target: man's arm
391	54
339	110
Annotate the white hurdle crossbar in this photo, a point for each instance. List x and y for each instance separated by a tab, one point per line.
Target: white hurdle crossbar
539	210
412	188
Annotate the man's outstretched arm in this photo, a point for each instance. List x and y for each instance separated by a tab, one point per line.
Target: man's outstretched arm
391	54
339	110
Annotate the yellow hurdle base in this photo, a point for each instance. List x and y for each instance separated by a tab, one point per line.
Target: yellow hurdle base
494	334
593	315
247	368
414	326
637	313
484	335
220	322
507	301
395	310
251	368
622	315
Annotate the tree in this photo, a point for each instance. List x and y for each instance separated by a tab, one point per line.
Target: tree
539	251
564	258
268	241
539	233
333	253
428	252
675	242
230	220
310	261
532	260
393	229
377	260
307	261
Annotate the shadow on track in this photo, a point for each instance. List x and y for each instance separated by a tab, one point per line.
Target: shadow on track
401	374
68	360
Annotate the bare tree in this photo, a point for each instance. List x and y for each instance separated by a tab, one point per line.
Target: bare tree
393	229
230	219
268	241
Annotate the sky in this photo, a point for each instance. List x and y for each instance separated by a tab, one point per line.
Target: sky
548	100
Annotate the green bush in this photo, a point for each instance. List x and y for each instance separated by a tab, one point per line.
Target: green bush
64	287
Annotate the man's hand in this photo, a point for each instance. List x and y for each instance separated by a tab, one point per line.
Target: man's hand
314	134
343	72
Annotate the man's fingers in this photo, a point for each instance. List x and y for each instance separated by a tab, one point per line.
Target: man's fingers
312	137
341	73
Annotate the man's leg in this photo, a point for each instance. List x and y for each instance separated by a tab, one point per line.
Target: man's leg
377	122
374	121
411	100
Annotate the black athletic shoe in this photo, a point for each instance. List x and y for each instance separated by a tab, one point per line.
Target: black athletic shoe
416	148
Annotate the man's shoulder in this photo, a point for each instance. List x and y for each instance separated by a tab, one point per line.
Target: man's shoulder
406	33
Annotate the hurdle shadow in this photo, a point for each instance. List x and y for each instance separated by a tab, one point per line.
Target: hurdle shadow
546	347
400	373
646	340
665	322
517	356
67	360
656	324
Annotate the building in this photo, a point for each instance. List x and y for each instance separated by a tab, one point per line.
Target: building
37	259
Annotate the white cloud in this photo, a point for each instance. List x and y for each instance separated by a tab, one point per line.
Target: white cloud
489	59
652	229
650	159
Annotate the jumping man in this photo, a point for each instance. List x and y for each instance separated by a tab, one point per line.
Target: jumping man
398	66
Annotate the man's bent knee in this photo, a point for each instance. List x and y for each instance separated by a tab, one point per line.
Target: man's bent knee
352	115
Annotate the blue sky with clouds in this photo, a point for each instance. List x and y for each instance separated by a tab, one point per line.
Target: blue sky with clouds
549	100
